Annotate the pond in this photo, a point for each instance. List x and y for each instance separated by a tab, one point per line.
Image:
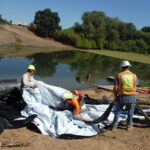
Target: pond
69	69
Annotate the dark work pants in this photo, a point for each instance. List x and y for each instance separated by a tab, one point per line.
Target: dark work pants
129	102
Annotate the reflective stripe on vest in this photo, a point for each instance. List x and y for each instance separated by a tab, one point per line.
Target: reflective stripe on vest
127	83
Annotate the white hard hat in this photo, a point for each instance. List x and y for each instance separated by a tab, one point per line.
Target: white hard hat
125	63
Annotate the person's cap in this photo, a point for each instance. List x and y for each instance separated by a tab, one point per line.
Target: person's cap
125	63
69	95
31	67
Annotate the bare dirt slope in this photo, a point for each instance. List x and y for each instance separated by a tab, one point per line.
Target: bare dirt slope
12	34
121	139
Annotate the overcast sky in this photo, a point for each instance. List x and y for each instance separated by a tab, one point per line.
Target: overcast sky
70	11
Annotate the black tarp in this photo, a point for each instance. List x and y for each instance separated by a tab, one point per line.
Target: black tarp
11	103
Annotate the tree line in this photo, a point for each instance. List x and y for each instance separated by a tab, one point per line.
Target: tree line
97	31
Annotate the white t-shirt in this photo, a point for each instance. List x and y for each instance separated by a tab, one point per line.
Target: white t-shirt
27	81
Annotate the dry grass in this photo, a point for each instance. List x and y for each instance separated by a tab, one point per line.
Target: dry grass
12	35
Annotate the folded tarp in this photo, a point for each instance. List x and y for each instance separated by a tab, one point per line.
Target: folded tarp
44	101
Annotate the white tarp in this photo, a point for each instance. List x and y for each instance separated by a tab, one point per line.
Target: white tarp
55	123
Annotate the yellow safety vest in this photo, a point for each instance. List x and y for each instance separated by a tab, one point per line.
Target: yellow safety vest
127	83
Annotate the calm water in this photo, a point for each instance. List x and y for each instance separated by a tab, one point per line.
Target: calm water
69	69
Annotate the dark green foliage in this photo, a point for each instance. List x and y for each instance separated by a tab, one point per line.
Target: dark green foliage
68	36
99	31
46	23
3	21
146	29
89	35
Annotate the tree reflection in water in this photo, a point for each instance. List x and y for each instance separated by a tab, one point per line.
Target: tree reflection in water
89	68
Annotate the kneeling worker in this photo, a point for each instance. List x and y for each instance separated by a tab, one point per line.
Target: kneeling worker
73	101
27	80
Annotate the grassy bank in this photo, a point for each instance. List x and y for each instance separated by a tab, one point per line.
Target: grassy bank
123	55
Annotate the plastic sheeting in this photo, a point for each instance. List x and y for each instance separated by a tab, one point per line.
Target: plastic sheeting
51	121
44	102
7	84
11	103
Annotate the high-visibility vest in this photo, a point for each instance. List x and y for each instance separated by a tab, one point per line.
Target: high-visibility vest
75	103
75	100
127	83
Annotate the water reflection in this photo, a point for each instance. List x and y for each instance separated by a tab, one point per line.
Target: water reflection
70	69
88	68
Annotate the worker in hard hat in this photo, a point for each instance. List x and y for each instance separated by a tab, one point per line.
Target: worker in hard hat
27	80
125	91
73	101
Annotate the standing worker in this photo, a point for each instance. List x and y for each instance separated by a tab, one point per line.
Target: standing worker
125	91
27	80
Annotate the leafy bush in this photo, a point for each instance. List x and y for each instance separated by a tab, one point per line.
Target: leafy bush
68	36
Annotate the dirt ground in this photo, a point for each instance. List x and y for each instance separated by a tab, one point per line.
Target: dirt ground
18	41
21	36
120	139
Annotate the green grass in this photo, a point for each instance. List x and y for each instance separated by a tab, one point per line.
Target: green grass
123	55
144	84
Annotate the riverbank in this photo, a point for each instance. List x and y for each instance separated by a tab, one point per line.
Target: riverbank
25	139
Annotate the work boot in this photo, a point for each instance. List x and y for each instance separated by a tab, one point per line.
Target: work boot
113	128
129	127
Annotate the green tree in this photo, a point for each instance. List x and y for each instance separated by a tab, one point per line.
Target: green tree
142	46
146	37
89	31
111	25
94	27
131	30
146	29
47	22
112	35
3	21
68	36
97	18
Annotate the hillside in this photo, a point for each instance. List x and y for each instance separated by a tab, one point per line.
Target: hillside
18	35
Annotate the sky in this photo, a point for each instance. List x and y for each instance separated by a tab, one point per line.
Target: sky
71	11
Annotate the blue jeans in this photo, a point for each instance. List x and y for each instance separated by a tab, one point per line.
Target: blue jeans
129	102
